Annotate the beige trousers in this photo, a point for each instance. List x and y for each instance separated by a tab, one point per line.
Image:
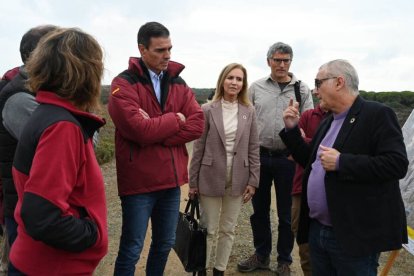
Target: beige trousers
220	213
303	248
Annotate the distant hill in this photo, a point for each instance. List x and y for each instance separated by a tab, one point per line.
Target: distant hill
202	94
105	89
401	102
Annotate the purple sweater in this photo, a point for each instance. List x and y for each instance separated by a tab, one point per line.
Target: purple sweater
318	205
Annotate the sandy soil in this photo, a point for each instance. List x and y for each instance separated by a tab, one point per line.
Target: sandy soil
243	243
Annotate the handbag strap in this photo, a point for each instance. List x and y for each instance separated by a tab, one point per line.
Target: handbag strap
187	207
194	207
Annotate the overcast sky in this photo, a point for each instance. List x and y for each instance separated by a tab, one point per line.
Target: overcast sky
377	37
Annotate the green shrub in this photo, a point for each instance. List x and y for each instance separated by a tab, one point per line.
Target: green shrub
105	151
105	93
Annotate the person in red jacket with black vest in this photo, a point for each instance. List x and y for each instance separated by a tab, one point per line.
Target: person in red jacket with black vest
155	114
61	207
17	104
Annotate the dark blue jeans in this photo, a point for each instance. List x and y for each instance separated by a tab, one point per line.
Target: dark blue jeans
280	170
11	228
162	207
328	258
12	271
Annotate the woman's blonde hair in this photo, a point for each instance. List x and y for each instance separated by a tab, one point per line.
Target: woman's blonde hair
242	97
68	62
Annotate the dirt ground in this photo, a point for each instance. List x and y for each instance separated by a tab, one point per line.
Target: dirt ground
242	247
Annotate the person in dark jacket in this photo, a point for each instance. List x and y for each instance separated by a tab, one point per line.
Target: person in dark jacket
352	207
16	106
155	114
61	209
4	243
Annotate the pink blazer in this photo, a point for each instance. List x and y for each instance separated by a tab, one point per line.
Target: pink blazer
208	164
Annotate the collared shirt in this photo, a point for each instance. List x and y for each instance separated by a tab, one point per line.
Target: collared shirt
156	83
318	205
270	102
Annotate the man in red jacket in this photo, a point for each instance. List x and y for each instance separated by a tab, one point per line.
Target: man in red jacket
155	114
308	124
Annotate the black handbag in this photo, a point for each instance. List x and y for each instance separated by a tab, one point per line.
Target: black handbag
191	239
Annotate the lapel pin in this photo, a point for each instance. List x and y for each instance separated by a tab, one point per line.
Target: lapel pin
352	120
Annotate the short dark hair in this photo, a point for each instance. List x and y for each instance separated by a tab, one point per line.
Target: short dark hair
31	38
151	29
280	47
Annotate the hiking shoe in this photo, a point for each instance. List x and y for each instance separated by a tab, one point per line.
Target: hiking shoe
283	269
252	263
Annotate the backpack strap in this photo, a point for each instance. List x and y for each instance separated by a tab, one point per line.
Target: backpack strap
297	94
3	83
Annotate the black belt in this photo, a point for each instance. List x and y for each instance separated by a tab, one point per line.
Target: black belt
276	153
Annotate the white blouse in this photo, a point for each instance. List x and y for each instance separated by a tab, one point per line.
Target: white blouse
230	110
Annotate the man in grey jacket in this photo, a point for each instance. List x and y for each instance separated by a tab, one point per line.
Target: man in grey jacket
270	96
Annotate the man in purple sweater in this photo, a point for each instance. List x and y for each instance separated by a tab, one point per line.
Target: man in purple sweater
351	201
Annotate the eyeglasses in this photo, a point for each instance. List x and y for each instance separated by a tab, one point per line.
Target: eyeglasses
318	82
280	60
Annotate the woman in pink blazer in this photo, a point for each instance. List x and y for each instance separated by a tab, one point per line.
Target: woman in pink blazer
224	170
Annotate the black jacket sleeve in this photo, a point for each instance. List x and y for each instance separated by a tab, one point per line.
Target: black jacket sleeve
296	145
44	222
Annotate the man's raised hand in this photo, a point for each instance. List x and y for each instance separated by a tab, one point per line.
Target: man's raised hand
291	114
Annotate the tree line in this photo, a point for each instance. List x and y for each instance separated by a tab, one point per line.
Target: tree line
401	102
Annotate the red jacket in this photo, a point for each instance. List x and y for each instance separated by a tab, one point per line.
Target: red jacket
309	122
150	153
10	74
61	210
